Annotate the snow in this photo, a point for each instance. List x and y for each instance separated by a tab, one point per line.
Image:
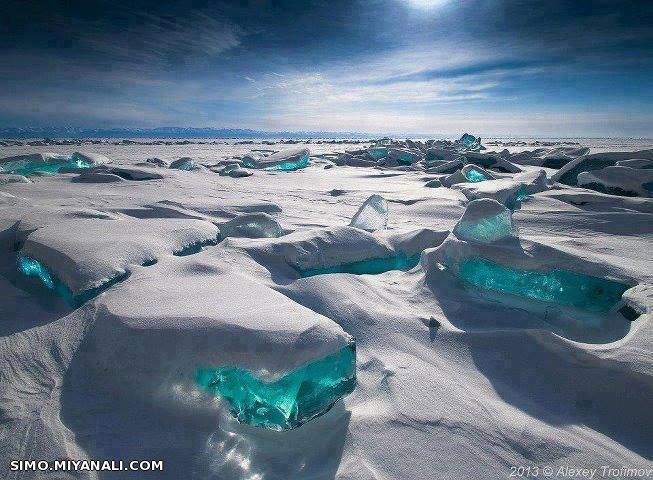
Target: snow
468	360
619	180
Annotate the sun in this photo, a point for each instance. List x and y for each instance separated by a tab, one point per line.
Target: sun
426	4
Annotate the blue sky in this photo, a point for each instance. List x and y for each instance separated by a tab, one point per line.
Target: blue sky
536	67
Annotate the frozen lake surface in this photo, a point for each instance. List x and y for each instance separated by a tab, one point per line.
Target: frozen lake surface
368	314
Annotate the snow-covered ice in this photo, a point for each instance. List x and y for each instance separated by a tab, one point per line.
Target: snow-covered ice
325	314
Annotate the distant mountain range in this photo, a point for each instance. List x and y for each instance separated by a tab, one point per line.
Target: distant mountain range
165	132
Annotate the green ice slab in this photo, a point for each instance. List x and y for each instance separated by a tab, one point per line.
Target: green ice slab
27	167
372	266
557	286
290	165
486	230
31	267
378	152
289	401
475	176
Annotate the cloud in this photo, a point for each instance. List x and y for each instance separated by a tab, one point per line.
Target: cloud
155	40
332	63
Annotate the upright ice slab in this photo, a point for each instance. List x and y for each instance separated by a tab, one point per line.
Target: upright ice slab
484	221
372	215
557	286
289	401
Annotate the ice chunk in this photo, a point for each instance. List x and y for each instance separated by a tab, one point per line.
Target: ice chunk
469	173
157	162
251	225
493	161
33	268
447	167
485	221
378	152
42	163
286	160
641	163
586	163
372	266
90	158
372	215
234	170
469	143
404	156
475	174
184	163
557	286
289	401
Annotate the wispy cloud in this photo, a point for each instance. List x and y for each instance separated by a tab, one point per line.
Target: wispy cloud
155	40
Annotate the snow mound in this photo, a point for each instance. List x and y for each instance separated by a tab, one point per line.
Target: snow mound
101	250
491	161
642	163
11	178
585	163
534	181
210	317
548	158
157	162
251	225
505	191
126	172
235	171
619	180
184	163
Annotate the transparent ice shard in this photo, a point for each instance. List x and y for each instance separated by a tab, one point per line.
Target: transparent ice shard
485	221
289	401
372	215
556	286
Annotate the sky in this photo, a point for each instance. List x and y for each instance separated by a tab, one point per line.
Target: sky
522	67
